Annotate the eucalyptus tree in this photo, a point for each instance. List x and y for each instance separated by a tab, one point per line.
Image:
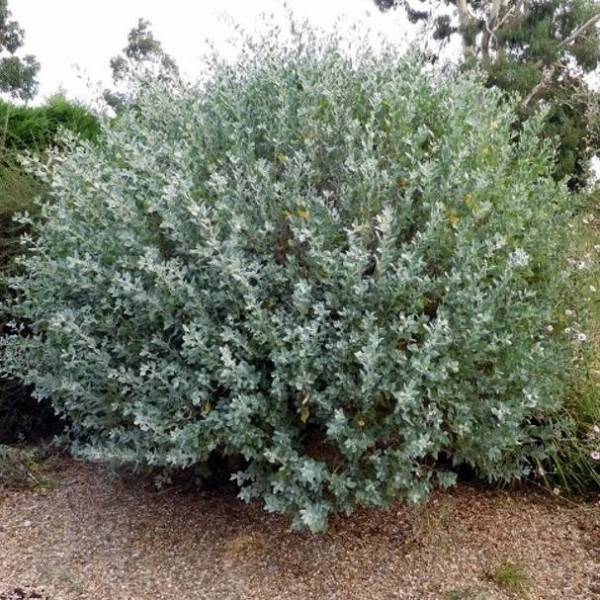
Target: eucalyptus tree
540	49
143	58
17	73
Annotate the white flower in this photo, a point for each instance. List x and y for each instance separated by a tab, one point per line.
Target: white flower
581	337
569	312
556	491
596	429
595	455
549	328
500	242
519	258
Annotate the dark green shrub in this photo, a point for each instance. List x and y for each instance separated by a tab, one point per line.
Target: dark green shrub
35	128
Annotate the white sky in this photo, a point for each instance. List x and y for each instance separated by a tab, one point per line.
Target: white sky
75	39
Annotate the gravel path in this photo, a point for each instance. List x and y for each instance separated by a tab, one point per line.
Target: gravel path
92	537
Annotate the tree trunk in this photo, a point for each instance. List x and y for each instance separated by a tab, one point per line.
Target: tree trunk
490	27
465	19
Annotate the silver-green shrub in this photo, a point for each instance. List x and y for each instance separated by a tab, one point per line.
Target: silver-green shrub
341	272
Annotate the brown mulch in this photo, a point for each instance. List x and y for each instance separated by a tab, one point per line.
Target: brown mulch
90	536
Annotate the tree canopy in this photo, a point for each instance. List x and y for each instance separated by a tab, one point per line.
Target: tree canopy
17	74
538	49
142	56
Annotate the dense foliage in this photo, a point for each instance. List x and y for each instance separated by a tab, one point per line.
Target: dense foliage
28	129
574	463
541	50
341	275
35	128
21	416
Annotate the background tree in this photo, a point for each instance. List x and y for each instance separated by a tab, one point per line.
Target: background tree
17	74
141	58
540	49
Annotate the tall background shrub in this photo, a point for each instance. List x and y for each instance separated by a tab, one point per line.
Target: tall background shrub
341	274
34	128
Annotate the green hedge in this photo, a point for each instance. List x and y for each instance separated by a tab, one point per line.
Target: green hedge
34	128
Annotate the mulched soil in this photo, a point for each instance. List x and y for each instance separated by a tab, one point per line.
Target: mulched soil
90	536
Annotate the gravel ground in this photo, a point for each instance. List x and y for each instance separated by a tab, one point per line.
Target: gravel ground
88	536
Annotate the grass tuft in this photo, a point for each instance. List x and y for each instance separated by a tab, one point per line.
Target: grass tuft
510	577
